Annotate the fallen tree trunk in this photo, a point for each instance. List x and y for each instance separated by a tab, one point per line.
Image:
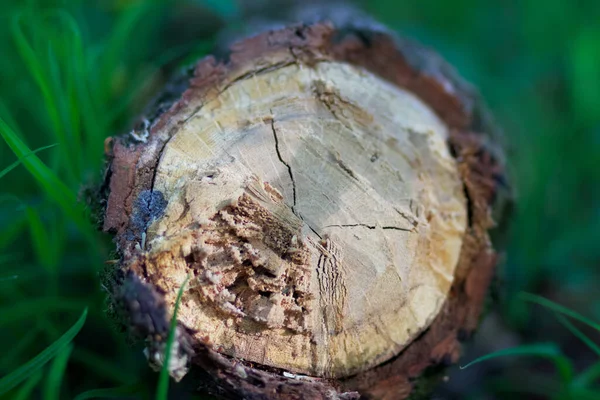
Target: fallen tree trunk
328	189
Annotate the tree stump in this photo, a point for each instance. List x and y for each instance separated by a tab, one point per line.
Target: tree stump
329	193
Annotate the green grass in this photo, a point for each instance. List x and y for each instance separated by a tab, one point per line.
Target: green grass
572	386
18	162
74	72
59	349
51	389
69	81
163	380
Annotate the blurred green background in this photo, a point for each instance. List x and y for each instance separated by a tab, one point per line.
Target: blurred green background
74	72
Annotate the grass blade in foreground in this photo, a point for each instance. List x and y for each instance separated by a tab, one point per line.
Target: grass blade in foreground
9	355
588	376
16	163
24	392
558	308
56	373
26	370
52	185
163	380
578	333
546	350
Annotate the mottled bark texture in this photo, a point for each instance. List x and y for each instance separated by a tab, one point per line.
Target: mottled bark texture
263	262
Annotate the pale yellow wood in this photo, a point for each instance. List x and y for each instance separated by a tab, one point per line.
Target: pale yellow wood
323	216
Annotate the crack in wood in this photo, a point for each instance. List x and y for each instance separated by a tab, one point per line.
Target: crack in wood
408	218
289	168
395	228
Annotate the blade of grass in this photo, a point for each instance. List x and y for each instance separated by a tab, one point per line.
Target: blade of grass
55	188
12	230
46	178
163	380
18	162
52	385
95	124
72	161
29	368
116	45
32	62
6	114
545	350
71	103
24	393
80	104
44	83
558	308
9	355
41	243
588	376
117	392
578	333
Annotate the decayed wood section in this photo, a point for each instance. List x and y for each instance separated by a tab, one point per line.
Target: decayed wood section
329	192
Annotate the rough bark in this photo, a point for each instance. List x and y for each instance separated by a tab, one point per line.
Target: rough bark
261	290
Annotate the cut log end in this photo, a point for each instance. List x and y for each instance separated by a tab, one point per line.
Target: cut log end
328	205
